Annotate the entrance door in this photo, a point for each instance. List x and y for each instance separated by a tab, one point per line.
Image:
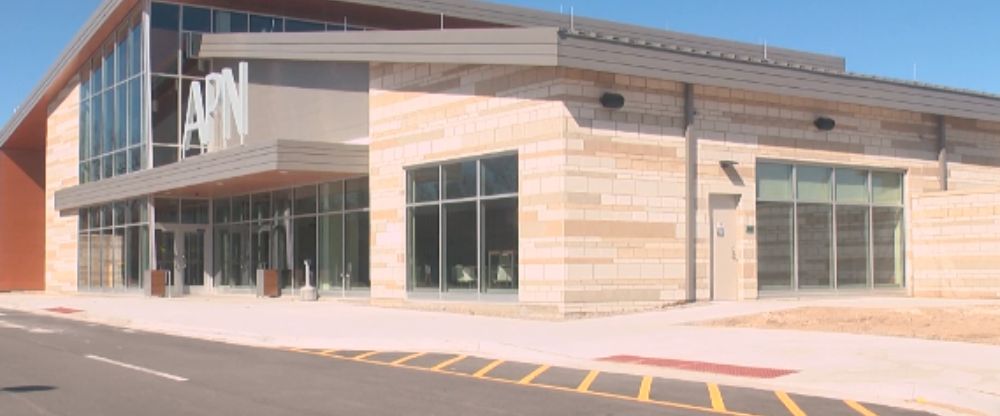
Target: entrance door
726	236
182	250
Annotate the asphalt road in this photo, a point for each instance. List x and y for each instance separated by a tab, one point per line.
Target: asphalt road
52	366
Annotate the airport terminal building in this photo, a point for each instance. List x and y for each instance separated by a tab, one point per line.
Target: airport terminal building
471	156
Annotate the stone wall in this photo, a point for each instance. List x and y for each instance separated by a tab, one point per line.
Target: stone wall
602	191
62	154
956	244
435	113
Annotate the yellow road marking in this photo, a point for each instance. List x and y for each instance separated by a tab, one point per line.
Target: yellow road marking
446	363
487	368
407	358
716	395
644	388
327	352
793	408
531	376
583	388
365	355
859	408
587	381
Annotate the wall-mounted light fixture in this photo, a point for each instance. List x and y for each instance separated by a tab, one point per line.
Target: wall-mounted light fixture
612	100
825	123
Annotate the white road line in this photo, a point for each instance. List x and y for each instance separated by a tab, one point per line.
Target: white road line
137	368
5	324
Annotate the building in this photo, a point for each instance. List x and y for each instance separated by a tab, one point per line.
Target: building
471	156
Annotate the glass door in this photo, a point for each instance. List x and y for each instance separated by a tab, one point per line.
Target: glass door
182	251
193	249
356	251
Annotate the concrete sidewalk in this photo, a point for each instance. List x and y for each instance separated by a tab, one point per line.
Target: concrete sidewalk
896	371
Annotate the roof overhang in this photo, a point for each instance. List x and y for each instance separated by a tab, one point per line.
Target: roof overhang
227	172
551	46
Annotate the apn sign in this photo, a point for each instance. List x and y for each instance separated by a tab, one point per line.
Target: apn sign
223	102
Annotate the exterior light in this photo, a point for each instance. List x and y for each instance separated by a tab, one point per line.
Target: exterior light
612	100
825	123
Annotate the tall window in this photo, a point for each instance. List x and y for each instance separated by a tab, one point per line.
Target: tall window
325	226
824	228
462	229
173	69
111	105
113	246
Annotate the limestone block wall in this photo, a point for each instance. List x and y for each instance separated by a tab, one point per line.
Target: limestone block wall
745	127
62	154
425	113
973	153
956	244
625	201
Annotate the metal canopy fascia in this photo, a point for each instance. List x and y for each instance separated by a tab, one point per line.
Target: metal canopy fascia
222	165
552	46
515	46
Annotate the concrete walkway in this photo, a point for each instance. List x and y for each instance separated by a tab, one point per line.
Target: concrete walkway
923	374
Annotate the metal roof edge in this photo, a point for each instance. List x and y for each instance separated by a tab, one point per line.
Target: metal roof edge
79	40
639	43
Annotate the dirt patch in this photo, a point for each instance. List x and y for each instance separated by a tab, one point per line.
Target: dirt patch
979	323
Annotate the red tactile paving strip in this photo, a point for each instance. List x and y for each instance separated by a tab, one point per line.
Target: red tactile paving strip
62	309
706	367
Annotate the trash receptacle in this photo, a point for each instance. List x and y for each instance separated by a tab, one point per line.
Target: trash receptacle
156	283
267	283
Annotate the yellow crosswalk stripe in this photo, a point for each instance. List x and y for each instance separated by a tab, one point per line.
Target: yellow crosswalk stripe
487	368
446	363
587	381
407	358
534	374
644	388
365	355
793	408
716	395
859	408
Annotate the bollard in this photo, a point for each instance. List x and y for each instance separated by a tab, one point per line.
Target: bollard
308	292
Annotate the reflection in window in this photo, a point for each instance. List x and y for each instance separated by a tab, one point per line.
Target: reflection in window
423	250
774	245
466	240
841	228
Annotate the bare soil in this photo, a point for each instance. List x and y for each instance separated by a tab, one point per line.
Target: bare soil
974	323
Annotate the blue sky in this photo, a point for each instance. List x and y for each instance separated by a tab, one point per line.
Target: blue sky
954	43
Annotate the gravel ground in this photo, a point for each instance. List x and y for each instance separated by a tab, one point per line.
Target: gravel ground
974	323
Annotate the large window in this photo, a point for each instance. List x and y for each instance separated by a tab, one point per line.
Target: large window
113	246
111	124
822	227
325	226
462	233
173	69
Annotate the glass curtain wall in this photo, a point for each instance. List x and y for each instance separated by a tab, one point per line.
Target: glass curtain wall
111	120
172	68
113	246
462	233
825	228
325	226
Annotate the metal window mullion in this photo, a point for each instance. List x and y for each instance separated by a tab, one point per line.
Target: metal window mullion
834	271
442	229
871	233
479	233
795	230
